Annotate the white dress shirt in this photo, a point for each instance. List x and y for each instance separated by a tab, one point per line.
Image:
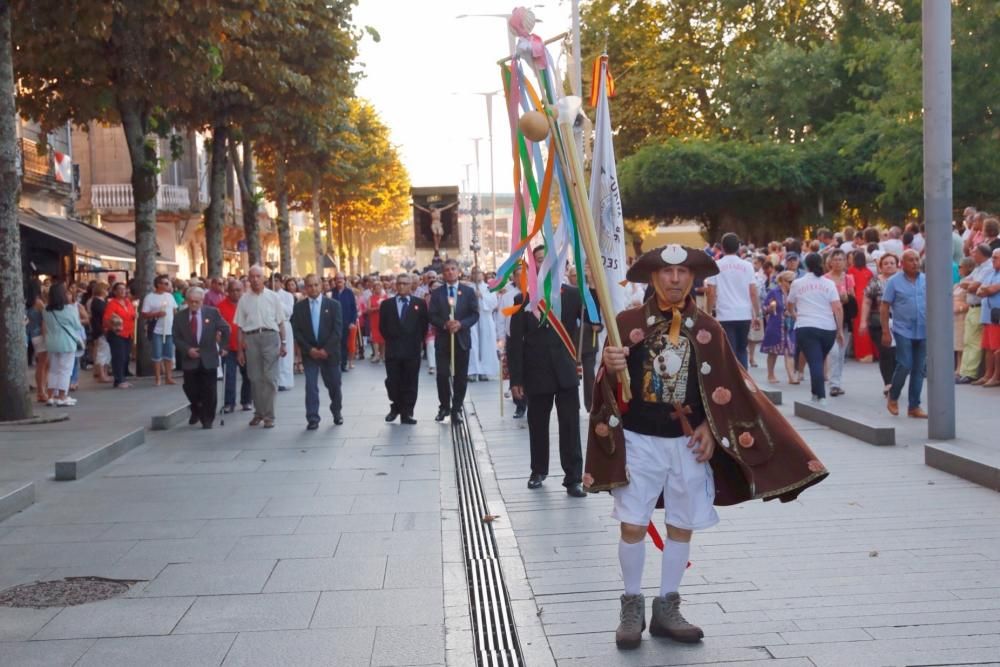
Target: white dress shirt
260	311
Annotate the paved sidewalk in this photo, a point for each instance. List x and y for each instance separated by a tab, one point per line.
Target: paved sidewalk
102	414
252	546
887	562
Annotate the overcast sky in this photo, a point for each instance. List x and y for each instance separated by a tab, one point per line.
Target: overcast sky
423	74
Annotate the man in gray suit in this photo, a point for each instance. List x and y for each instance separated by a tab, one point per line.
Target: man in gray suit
317	326
199	333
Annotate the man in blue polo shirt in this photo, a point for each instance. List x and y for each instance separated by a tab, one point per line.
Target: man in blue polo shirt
905	300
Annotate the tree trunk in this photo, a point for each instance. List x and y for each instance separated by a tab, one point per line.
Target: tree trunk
344	256
317	236
16	403
284	228
244	173
216	211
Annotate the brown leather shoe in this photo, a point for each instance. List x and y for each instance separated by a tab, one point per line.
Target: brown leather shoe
893	407
668	622
916	413
256	420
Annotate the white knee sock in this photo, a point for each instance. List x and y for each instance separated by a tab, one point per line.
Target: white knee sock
675	560
631	557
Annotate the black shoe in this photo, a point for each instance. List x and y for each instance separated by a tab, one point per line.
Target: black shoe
207	426
535	481
483	378
312	426
408	420
963	380
391	417
193	419
247	407
456	417
576	490
344	369
441	415
228	409
338	419
519	413
472	378
282	388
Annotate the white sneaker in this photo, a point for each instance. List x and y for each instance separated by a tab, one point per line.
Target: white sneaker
69	400
51	402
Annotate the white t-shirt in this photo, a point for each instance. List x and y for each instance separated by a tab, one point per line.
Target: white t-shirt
918	242
732	289
154	303
812	297
895	246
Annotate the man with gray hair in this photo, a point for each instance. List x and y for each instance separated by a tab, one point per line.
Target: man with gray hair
260	318
200	332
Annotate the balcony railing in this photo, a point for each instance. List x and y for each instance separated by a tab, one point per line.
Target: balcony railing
38	170
118	196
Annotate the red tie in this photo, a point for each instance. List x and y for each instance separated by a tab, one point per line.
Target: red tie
194	327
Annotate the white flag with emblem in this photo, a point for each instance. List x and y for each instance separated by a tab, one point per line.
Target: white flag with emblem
605	198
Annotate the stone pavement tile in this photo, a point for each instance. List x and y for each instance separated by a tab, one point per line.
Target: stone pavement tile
345	523
409	645
58	555
43	654
182	550
394	471
286	490
941	630
356	609
302	648
133	570
231	577
318	506
327	574
122	617
245	527
240	613
372	487
168	651
396	503
824	636
391	542
417	521
17	576
319	545
152	530
655	652
323	476
414	571
19	624
58	534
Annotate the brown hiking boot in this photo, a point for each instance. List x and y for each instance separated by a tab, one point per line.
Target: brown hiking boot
633	622
893	407
667	621
916	413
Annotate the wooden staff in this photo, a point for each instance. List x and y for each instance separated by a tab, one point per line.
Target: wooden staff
569	158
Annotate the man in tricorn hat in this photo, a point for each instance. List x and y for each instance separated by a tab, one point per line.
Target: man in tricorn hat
695	433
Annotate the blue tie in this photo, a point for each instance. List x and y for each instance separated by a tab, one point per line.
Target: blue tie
314	308
451	291
403	303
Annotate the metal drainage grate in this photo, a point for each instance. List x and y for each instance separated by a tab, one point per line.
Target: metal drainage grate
492	616
66	592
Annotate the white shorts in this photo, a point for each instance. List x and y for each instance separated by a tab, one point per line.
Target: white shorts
665	465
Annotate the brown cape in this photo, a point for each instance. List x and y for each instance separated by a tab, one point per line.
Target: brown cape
759	455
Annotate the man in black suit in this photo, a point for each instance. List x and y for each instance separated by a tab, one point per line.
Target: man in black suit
317	327
200	333
454	310
403	323
543	371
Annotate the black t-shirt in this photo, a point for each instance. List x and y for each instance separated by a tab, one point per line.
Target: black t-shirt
650	411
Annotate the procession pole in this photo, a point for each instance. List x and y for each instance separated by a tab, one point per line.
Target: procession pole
573	171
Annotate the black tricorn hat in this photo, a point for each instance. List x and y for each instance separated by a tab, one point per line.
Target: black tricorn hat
673	254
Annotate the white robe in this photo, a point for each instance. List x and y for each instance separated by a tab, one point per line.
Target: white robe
286	364
483	358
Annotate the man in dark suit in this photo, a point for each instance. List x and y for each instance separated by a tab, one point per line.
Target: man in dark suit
403	323
317	327
344	295
543	371
199	333
454	310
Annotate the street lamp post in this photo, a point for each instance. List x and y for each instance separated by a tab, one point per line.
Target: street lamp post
938	217
475	212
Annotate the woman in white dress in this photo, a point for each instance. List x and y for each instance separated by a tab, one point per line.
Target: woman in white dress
286	364
483	361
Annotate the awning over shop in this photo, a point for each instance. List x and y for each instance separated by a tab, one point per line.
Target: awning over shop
85	238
